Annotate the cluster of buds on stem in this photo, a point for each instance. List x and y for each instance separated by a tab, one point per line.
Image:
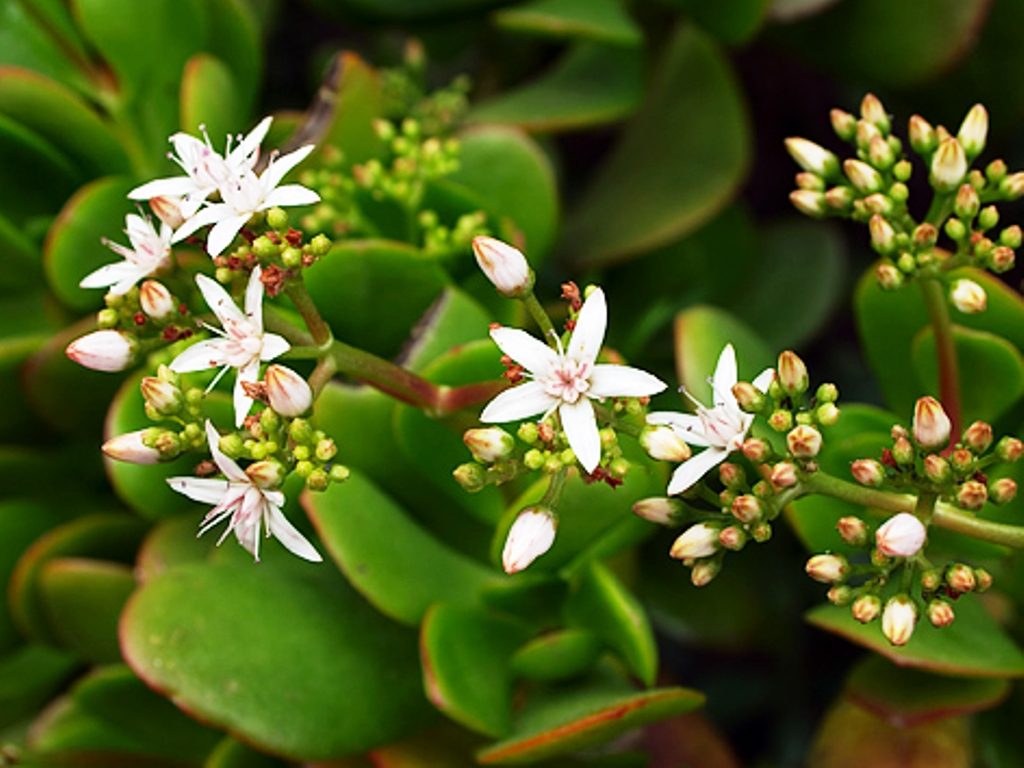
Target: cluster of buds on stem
872	188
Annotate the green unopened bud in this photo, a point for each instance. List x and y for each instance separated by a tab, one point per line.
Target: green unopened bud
828	569
956	230
811	182
320	245
1011	237
871	109
827	414
704	572
277	218
852	530
664	444
1002	491
878	204
528	432
781	420
967	203
940	613
783	475
995	171
960	578
812	157
291	257
866	608
489	444
844	124
922	136
339	473
1009	449
880	153
659	510
266	474
264	247
888	276
471	476
534	459
868	472
232	445
839	594
827	393
162	396
809	203
999	259
972	495
974	131
755	449
906	263
732	475
903	170
949	166
983	580
300	431
318	480
326	449
732	538
792	373
1012	186
902	451
937	468
749	398
839	199
862	176
761	532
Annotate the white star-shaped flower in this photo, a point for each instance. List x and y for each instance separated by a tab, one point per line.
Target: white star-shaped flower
241	344
244	194
567	380
205	168
721	429
150	251
249	507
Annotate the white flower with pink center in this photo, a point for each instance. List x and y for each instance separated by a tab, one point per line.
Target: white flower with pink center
567	380
150	250
241	344
720	429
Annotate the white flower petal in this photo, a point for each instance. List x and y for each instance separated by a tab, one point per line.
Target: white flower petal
694	468
247	374
517	403
127	282
289	194
205	490
273	346
248	148
211	214
686	425
623	381
254	299
108	275
764	379
725	376
580	427
289	536
588	335
171	186
223	232
226	464
529	352
279	167
200	357
219	301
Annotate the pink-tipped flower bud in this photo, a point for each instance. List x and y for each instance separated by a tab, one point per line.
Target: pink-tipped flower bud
130	447
972	495
747	508
664	444
949	166
967	202
968	297
960	578
901	535
868	472
862	176
839	199
828	569
936	468
659	510
732	537
168	210
974	131
755	449
843	123
792	373
898	619
489	444
266	474
880	153
704	572
783	475
162	396
731	475
1000	259
866	608
155	300
940	613
888	276
978	436
700	540
288	393
872	110
811	182
530	536
852	530
1002	491
922	135
1013	185
902	452
839	594
748	397
1009	449
983	579
931	425
809	202
812	157
804	441
504	266
107	351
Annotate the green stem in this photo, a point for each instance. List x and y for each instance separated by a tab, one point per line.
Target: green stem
554	491
944	516
945	350
925	507
941	207
318	328
540	317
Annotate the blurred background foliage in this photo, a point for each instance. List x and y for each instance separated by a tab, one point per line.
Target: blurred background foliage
633	142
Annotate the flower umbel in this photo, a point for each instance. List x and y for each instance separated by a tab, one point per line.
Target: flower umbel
150	251
242	344
567	380
245	503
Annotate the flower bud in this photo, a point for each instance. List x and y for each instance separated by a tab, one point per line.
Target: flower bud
811	182
967	203
1002	491
983	579
266	474
972	495
287	392
999	259
852	530
732	537
973	131
931	424
748	397
866	133
703	572
898	619
804	442
783	475
1013	185
471	476
664	444
839	199
880	153
530	536
504	266
936	468
866	608
949	166
792	373
162	396
922	136
168	210
960	578
868	472
883	237
659	510
901	535
978	436
968	297
889	278
731	475
155	300
489	444
988	217
1011	237
780	420
839	594
843	123
809	202
1009	449
828	569
747	508
812	157
130	447
107	351
755	449
940	613
827	414
700	540
902	452
871	109
862	176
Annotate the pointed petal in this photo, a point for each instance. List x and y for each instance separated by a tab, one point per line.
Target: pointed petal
226	464
201	356
623	381
108	275
694	468
533	355
278	168
686	425
211	214
243	403
588	336
203	489
289	194
273	346
287	534
223	232
764	379
219	301
250	144
580	427
516	403
725	371
127	282
172	186
254	299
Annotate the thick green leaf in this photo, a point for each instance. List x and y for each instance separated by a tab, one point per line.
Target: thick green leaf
26	42
973	646
514	179
233	36
358	277
29	676
601	20
909	697
466	672
560	720
680	160
345	121
210	97
558	655
732	21
397	565
168	544
289	659
453	320
35	177
231	753
590	85
82	599
599	602
402	10
701	334
991	371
